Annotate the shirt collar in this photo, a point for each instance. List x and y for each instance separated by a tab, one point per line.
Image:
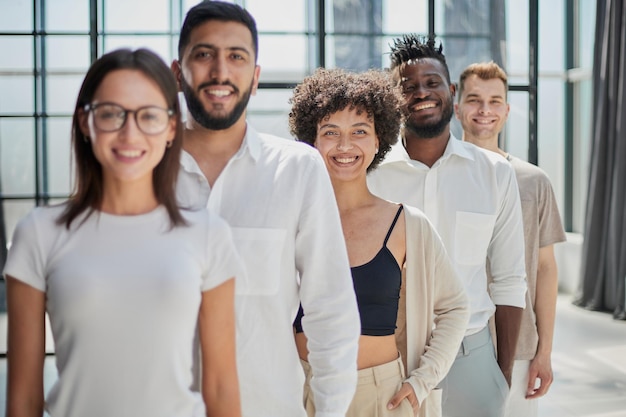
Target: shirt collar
458	148
398	153
251	144
252	141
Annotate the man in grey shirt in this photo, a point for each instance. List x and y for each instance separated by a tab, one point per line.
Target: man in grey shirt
483	109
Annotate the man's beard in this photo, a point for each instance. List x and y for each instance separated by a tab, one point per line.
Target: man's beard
203	117
429	131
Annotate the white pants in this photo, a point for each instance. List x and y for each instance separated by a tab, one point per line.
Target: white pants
516	403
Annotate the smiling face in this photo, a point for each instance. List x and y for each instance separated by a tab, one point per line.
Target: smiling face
218	73
127	155
428	97
482	108
347	141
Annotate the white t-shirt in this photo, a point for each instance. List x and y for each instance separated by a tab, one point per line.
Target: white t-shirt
123	295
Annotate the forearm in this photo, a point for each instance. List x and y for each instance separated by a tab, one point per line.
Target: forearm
451	316
26	350
439	355
24	404
545	301
507	320
216	323
25	409
222	398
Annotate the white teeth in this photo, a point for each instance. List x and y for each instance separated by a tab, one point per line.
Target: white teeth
129	153
346	160
424	106
219	93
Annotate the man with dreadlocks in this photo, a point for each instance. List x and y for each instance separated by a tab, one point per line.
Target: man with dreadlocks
471	197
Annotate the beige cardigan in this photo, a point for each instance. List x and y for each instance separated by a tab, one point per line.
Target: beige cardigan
433	312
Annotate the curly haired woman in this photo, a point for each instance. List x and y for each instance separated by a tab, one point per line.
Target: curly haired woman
353	119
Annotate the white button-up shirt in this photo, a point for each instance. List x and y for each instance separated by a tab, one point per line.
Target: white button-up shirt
471	197
277	197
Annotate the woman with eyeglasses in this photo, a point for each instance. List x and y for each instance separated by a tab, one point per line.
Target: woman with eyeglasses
137	290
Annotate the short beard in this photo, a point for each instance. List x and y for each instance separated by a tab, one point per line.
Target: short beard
204	118
432	130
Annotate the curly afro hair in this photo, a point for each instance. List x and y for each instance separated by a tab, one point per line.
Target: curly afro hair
328	91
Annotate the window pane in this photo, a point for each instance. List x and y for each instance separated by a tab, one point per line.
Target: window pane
405	16
17	95
385	58
354	16
173	49
158	44
136	16
265	14
17	156
469	31
468	17
283	58
67	53
188	4
59	155
587	16
62	91
21	56
17	15
551	132
552	35
583	113
275	124
273	100
269	111
460	52
516	129
355	53
67	16
517	46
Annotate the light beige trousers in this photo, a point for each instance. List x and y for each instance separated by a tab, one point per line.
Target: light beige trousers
375	387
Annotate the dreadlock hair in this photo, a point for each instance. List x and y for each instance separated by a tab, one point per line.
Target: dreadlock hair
412	47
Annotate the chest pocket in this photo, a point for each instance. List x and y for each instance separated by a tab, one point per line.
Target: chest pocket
472	236
261	251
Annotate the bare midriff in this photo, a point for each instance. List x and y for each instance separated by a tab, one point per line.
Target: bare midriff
373	350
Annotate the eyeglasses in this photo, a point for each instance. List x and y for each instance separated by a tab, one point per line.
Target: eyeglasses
110	117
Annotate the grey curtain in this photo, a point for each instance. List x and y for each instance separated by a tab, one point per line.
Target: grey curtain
603	264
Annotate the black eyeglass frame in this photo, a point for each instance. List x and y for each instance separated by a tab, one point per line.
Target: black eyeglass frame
92	107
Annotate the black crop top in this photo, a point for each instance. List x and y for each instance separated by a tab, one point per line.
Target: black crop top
377	287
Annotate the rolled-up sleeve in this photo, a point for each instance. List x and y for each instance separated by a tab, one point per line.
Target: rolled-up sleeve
331	320
506	250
